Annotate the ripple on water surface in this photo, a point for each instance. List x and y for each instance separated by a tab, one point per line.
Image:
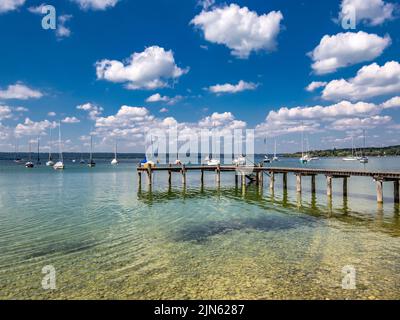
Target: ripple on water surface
107	239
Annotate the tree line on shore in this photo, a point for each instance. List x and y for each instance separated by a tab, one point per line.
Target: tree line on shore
369	151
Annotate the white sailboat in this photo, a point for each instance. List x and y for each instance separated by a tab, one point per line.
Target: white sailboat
50	162
240	161
275	158
266	158
211	162
363	158
29	164
115	161
60	163
177	161
305	158
91	163
352	157
82	161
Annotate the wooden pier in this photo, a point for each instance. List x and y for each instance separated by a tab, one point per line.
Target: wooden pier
256	174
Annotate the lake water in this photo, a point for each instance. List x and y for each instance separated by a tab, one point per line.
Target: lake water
106	238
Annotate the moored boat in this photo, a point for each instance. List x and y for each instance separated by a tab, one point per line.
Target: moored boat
59	165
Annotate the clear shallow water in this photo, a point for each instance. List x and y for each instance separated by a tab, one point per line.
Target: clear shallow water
108	239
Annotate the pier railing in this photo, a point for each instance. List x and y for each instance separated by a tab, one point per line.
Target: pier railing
255	174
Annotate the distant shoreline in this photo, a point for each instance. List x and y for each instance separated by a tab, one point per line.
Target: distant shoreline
327	153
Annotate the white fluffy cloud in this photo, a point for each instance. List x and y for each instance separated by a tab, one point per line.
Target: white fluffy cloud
157	98
150	69
10	5
216	119
5	112
372	12
20	91
62	30
391	103
32	128
93	111
240	29
5	133
205	4
21	109
126	116
221	121
133	123
344	115
341	109
36	9
233	88
96	4
364	123
168	100
315	85
129	122
70	120
371	81
346	49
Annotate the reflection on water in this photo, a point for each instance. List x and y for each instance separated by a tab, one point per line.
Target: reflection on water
109	239
253	196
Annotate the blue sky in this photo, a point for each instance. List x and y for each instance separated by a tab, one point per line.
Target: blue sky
223	64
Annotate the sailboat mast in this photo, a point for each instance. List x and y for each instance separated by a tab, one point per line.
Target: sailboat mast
352	146
302	140
364	143
38	149
275	149
177	149
30	151
16	149
151	143
59	142
115	150
307	145
50	143
91	147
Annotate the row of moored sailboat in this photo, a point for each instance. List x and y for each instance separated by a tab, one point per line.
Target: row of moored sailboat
60	165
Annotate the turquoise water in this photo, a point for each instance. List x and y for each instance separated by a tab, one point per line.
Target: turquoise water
107	238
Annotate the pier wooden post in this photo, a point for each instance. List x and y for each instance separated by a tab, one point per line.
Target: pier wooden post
236	179
169	176
345	187
329	186
313	184
379	190
261	173
396	191
139	178
243	180
236	176
298	183
257	178
243	184
202	177
183	175
149	176
218	174
284	181
271	181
